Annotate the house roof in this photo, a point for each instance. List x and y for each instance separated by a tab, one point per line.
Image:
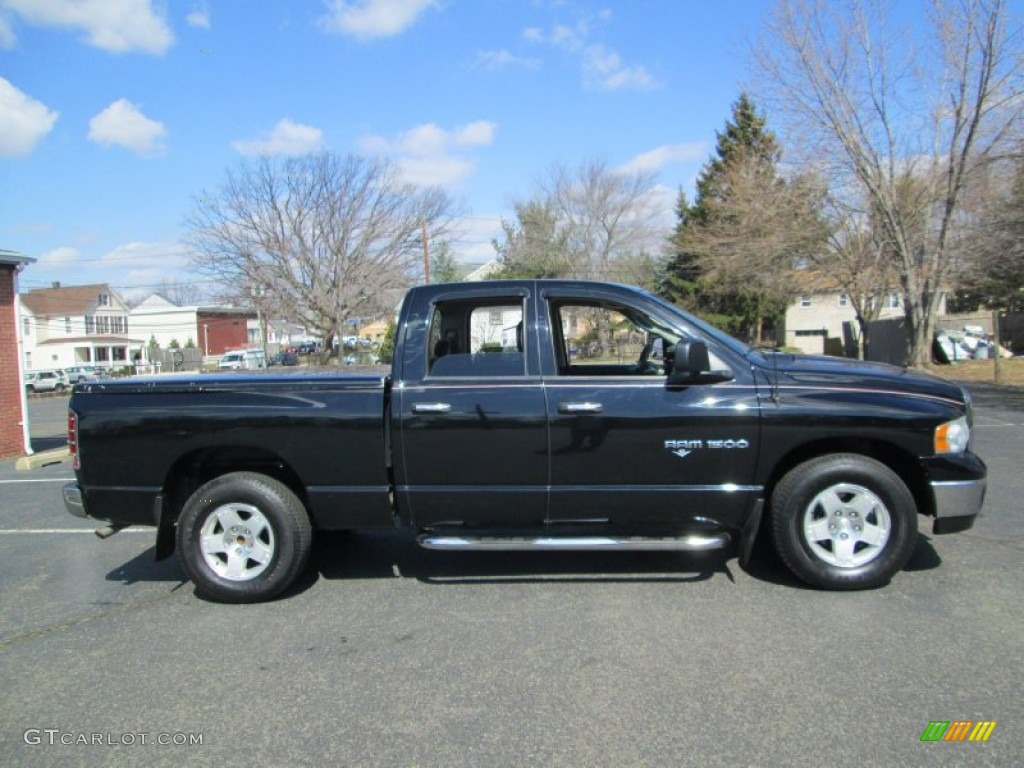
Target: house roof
94	341
10	257
61	300
815	280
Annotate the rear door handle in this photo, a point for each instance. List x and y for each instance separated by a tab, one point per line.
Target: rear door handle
431	408
580	408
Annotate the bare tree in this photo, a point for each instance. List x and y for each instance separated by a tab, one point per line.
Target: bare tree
604	215
859	262
994	263
318	238
758	234
876	114
180	293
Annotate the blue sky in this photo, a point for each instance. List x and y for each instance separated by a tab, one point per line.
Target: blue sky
117	115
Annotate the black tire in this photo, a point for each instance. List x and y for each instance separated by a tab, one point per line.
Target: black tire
243	538
843	522
59	388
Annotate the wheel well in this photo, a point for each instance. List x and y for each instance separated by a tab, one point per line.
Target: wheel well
899	461
199	467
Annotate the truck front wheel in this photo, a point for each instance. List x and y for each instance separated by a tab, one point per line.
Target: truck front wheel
243	538
843	521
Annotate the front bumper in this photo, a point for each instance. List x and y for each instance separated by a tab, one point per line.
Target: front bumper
957	504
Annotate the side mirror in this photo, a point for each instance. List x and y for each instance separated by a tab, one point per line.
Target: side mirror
691	364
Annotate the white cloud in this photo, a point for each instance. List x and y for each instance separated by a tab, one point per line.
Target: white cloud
431	155
23	121
117	26
493	61
122	124
7	36
144	265
438	170
602	67
58	258
199	17
370	19
473	243
480	132
658	158
286	138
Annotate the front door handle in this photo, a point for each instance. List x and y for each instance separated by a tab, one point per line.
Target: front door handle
580	408
431	408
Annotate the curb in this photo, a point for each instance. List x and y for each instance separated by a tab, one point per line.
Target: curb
42	459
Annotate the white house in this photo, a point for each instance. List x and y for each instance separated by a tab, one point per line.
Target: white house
76	325
212	329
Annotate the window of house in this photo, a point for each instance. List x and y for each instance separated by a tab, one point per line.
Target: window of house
67	325
844	300
894	300
26	327
805	301
104	300
477	338
90	324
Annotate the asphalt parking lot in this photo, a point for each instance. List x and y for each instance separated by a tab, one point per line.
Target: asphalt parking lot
388	655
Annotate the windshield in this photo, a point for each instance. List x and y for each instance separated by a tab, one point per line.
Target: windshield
717	334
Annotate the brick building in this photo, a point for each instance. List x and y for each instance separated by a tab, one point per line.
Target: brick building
13	440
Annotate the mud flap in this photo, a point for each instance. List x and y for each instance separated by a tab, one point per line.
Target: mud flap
164	530
749	533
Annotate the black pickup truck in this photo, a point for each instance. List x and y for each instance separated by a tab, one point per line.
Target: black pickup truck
533	415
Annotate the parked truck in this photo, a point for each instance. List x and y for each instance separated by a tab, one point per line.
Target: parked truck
533	415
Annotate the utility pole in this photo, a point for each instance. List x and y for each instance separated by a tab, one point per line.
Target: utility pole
426	254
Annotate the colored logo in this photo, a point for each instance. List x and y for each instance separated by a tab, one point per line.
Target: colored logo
958	730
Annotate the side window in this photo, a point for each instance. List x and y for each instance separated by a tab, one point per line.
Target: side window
601	340
606	339
477	338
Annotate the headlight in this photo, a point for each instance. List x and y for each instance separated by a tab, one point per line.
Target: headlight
953	436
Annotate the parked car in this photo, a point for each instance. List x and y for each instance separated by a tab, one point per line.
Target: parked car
306	347
284	358
245	359
77	373
46	381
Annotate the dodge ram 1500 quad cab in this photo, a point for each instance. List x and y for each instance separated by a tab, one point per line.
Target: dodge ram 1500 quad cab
531	414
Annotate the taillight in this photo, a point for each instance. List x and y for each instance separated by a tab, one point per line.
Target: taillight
73	438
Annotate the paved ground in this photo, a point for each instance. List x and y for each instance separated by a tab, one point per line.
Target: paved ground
387	655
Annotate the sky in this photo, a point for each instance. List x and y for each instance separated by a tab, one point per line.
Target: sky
118	116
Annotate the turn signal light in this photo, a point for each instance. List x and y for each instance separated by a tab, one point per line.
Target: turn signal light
952	437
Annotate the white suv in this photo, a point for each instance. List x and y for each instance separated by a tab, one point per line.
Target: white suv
46	381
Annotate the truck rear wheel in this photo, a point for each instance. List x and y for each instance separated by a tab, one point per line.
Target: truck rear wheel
843	522
243	538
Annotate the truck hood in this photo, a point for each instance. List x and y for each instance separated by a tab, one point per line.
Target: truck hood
818	370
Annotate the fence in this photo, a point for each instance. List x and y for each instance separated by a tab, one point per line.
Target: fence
888	337
172	360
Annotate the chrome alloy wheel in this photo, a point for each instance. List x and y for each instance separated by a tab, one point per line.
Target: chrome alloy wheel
237	542
846	525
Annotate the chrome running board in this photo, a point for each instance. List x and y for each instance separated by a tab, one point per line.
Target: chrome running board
692	543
